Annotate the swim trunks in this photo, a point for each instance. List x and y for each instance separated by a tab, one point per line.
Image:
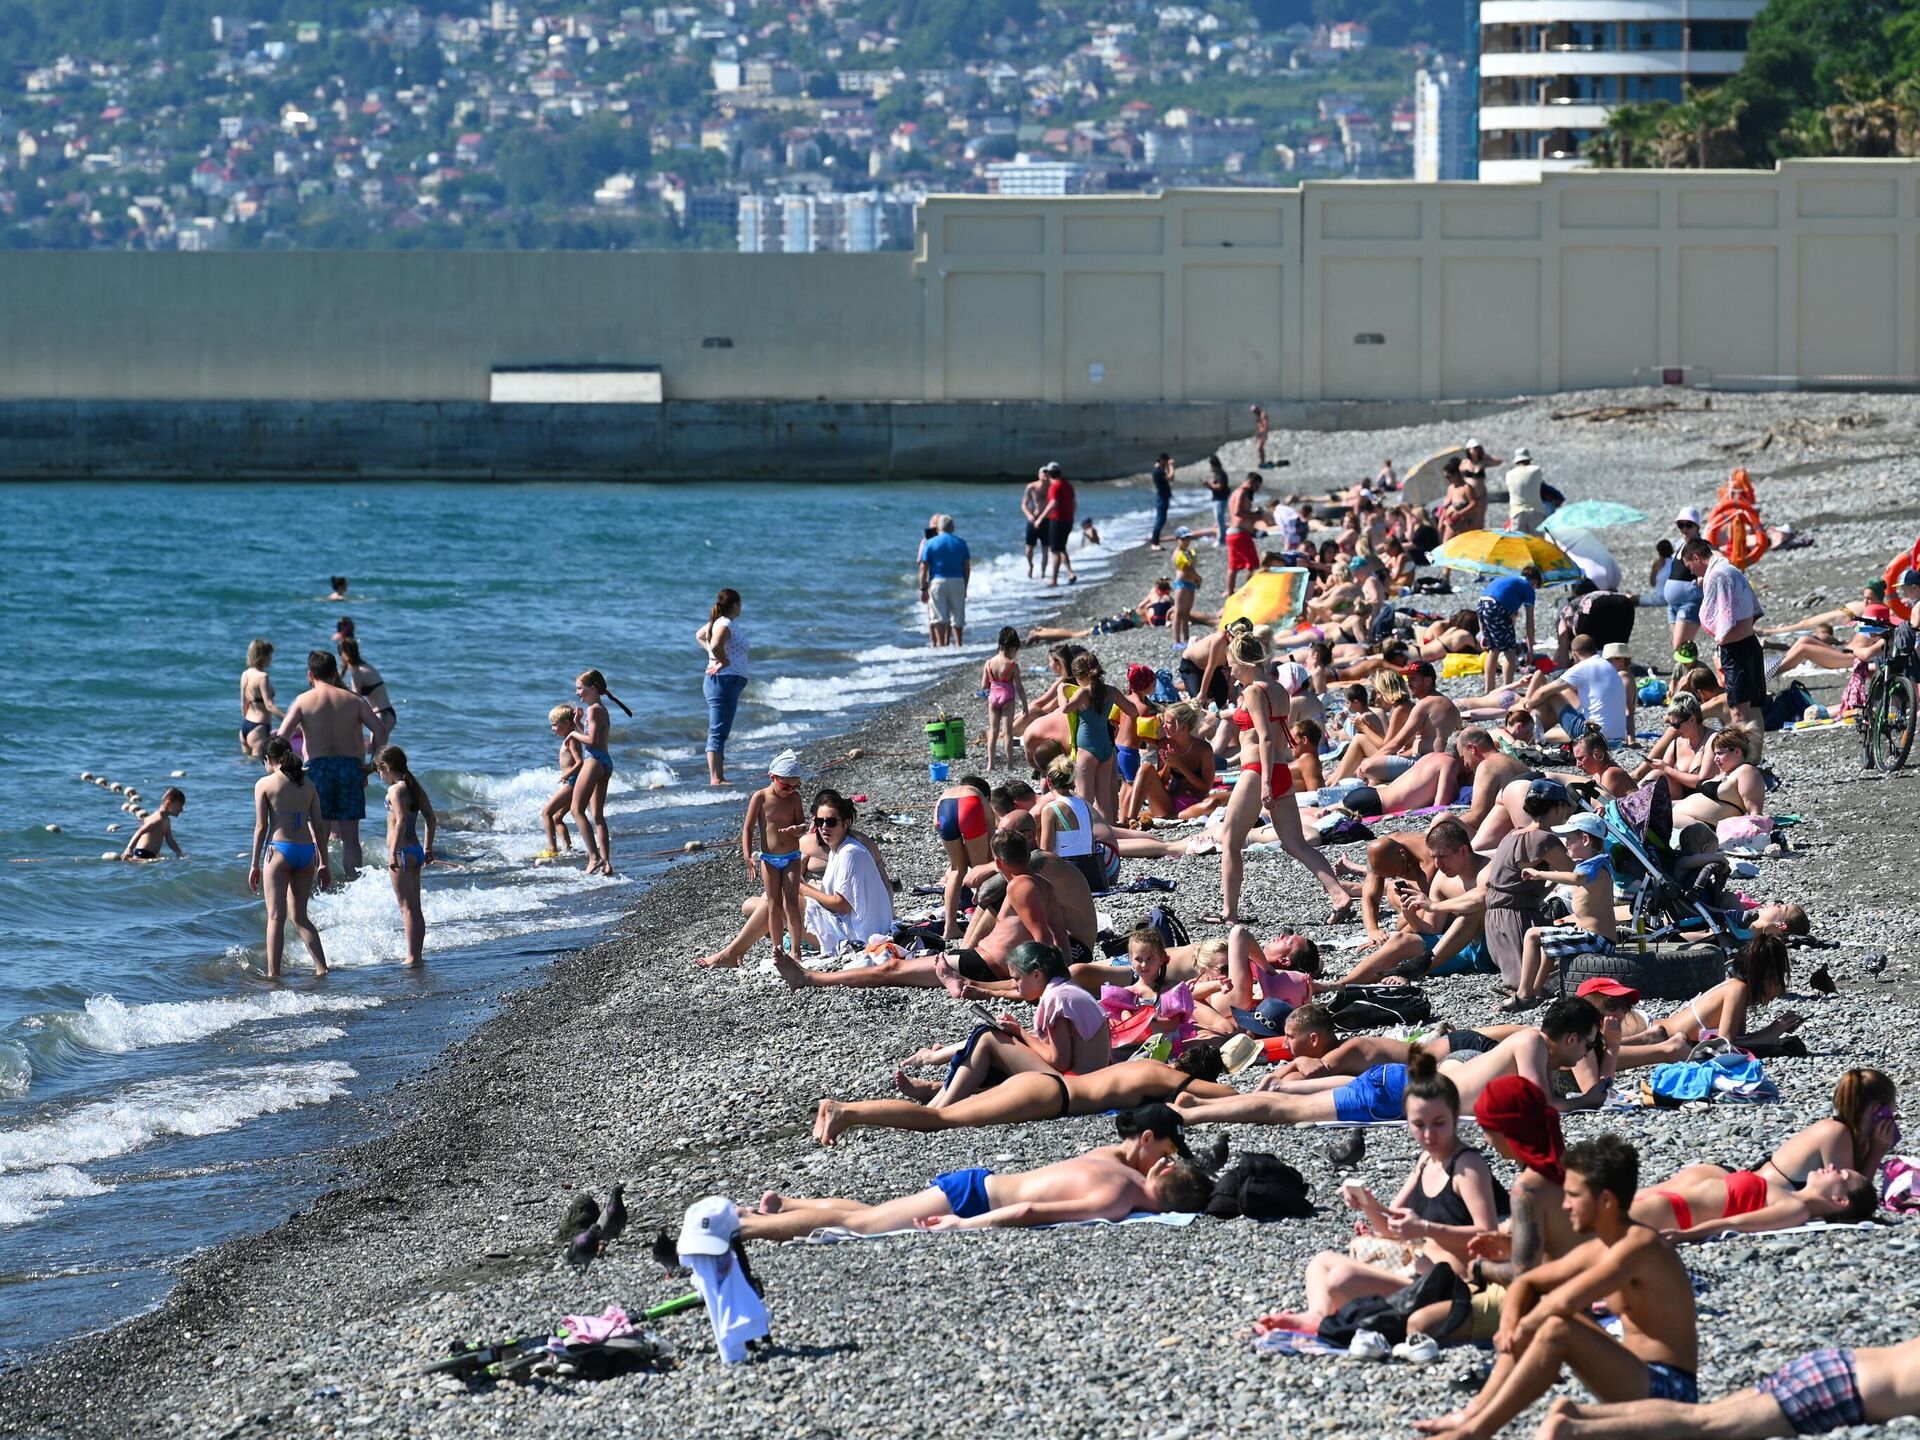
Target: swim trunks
1363	800
1058	533
1242	553
1219	694
966	1190
1034	536
780	862
961	817
1472	958
1670	1382
1377	1094
1743	670
140	852
1496	626
1101	869
342	785
1467	1042
1817	1392
1395	765
1127	762
972	967
1559	943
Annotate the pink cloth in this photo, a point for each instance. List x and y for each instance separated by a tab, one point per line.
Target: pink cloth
1064	999
591	1329
1285	985
1726	599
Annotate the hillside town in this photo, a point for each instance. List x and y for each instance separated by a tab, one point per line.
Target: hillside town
807	127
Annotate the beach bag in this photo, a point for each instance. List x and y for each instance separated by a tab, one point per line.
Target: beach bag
1901	1177
1787	706
1168	926
1370	1007
1388	1314
1258	1186
1165	692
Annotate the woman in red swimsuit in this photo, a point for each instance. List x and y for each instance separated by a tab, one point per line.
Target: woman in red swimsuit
1703	1201
1266	753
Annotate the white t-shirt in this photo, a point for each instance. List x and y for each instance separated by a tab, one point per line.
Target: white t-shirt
736	1312
852	875
1603	696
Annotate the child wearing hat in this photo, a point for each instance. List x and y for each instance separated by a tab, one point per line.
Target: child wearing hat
776	819
1590	896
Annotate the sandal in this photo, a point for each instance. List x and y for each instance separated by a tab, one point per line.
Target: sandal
1229	920
1519	1004
1342	914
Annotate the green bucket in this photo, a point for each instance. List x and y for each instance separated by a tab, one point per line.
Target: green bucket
937	732
956	738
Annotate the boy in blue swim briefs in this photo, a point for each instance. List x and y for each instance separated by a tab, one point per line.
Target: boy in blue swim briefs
1141	1173
776	819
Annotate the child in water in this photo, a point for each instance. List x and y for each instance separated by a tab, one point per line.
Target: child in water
596	770
1006	693
157	828
407	849
553	815
775	821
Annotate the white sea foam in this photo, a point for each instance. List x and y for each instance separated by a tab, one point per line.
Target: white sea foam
204	1104
116	1028
29	1196
360	924
294	1037
16	1071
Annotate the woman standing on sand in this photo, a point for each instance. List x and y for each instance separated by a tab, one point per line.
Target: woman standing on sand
726	677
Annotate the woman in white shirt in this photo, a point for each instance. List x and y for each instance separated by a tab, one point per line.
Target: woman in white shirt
726	677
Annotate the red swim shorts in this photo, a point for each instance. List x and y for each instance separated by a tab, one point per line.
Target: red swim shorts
1242	554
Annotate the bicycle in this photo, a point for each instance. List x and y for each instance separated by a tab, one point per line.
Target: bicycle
1892	708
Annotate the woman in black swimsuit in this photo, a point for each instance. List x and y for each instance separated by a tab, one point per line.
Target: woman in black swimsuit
365	682
1448	1199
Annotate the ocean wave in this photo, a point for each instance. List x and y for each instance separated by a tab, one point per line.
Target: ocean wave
16	1070
360	924
115	1028
295	1037
29	1196
206	1104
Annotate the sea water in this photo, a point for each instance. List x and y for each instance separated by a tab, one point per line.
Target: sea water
157	1093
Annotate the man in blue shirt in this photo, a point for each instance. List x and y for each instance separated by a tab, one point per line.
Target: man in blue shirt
1500	603
945	568
1162	495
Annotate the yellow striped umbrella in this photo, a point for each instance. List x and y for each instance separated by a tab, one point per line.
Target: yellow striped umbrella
1505	552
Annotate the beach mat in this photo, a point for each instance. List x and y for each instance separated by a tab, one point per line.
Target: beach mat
837	1234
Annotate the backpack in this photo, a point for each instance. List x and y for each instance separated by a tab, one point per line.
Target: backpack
1162	919
1368	1007
1165	692
1261	1187
1388	1314
1786	706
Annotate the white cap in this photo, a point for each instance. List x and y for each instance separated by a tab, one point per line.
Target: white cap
1523	456
1471	445
709	1227
1689	513
1293	676
786	765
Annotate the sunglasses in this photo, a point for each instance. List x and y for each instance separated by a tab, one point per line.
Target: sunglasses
826	822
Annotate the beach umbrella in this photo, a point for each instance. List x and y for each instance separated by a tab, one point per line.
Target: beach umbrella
1592	515
1583	547
1504	552
1427	481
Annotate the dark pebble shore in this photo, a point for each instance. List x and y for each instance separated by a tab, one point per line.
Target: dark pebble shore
626	1063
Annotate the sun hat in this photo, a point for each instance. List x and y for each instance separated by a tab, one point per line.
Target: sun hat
786	765
709	1227
1616	651
1517	1110
1689	515
1293	676
1876	588
1523	456
1239	1052
1472	445
1585	824
1607	985
1876	615
1909	577
1052	467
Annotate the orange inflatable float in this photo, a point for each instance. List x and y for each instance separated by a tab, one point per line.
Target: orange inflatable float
1733	527
1906	560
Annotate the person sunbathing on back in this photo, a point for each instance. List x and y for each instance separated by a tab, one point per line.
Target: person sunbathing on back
1110	1183
1757	975
1703	1201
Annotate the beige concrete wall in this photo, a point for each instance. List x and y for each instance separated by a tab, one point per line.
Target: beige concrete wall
423	326
1332	291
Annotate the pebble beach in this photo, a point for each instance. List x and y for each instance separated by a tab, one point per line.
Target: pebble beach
625	1063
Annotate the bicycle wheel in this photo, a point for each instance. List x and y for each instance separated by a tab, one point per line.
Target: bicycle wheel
1872	712
1897	733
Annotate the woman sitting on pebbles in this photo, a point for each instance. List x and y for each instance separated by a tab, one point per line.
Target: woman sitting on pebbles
1448	1199
1757	975
1070	829
1069	1034
1703	1201
1683	753
1735	787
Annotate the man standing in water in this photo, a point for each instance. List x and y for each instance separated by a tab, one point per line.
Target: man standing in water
1032	501
329	720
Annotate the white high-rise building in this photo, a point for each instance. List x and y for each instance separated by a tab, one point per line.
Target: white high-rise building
797	235
1024	175
863	224
1442	113
758	225
1551	70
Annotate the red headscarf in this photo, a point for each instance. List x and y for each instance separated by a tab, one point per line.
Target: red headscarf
1140	678
1516	1109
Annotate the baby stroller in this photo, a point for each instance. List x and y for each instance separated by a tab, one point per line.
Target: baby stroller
1675	941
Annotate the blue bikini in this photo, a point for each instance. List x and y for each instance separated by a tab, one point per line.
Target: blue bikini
298	854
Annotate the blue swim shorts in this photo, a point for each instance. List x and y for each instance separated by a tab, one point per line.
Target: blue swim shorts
1471	959
1670	1382
1127	761
966	1191
342	785
1378	1094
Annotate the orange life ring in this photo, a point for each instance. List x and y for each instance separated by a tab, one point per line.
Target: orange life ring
1906	560
1734	529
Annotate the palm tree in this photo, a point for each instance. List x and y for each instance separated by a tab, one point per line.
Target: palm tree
1702	132
1864	123
1628	137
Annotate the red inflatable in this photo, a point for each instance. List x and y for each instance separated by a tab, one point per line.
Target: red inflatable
1906	560
1733	527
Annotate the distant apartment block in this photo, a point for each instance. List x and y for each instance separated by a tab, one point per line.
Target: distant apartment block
804	224
1552	70
1442	112
1024	175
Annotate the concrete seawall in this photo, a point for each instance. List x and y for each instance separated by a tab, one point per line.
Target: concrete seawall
692	440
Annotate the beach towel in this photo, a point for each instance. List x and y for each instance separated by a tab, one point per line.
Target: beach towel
837	1234
1734	1076
1811	1227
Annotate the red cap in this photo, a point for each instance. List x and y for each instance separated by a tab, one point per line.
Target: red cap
1601	985
1877	615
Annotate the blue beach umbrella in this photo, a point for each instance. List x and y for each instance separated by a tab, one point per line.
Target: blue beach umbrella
1592	515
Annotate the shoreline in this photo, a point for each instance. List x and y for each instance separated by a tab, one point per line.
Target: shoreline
623	1062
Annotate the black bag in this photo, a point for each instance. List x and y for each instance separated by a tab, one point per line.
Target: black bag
1786	706
1172	932
1370	1007
1389	1314
1259	1186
